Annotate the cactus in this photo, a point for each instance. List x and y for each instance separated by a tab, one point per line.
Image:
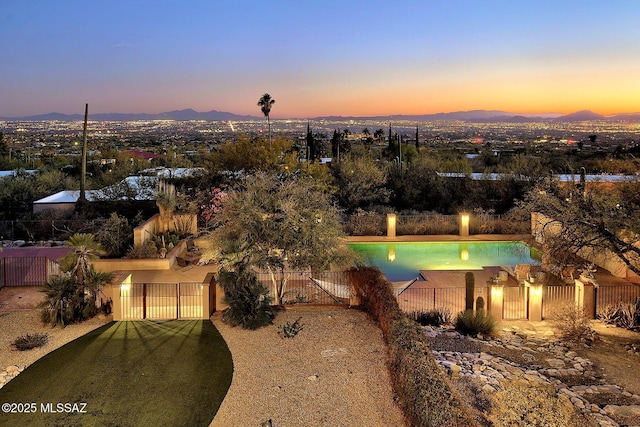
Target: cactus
480	305
470	283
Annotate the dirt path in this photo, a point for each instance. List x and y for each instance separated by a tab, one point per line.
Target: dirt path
610	356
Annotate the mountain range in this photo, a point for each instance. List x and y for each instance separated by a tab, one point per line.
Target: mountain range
482	116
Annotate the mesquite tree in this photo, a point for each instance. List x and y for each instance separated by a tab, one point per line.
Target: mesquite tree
276	223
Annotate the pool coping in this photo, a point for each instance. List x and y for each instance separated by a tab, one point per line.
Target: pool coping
526	238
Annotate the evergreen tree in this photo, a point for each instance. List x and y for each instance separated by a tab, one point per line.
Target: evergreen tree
311	149
417	139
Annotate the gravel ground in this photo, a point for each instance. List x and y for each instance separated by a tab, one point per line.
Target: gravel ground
332	373
17	323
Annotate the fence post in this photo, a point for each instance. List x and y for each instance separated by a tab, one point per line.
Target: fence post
391	225
464	225
495	301
535	302
585	298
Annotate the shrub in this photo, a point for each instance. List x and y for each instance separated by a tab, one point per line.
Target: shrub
363	223
622	315
63	303
290	330
249	301
608	314
435	317
146	250
572	324
424	394
30	341
470	323
530	404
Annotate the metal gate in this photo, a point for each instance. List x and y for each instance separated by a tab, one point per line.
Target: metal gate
515	302
161	301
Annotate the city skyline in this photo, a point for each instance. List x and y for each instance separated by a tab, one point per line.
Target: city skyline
335	58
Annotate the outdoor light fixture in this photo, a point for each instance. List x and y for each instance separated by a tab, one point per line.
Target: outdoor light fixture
464	225
496	292
536	291
391	225
464	255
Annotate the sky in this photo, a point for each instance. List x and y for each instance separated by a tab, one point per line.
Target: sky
344	57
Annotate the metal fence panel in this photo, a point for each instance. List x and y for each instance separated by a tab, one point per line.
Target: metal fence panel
425	299
611	295
161	301
514	305
555	297
132	301
307	287
26	271
190	300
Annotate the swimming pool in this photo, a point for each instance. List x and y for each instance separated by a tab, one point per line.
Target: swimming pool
404	260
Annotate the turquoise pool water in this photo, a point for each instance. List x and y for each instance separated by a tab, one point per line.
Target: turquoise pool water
403	261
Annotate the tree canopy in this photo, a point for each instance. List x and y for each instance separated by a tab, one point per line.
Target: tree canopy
278	222
601	218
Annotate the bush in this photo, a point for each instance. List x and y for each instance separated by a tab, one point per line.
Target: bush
424	394
363	223
529	404
249	301
435	317
146	250
470	323
290	330
572	325
622	315
30	341
63	303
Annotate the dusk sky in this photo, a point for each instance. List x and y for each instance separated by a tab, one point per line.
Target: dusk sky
319	58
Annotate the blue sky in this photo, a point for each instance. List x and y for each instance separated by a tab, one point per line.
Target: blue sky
331	57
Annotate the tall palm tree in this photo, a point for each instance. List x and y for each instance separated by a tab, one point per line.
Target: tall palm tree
265	102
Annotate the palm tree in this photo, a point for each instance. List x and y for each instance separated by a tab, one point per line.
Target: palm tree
85	249
265	102
59	305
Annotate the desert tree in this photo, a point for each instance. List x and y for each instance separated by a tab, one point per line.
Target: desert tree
361	181
604	219
275	222
265	103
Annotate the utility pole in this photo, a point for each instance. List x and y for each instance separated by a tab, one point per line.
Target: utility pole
83	175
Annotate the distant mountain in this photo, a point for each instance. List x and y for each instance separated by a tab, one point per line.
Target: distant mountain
468	116
179	115
580	116
476	116
632	117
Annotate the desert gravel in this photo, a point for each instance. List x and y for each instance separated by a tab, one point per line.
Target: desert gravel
17	323
332	373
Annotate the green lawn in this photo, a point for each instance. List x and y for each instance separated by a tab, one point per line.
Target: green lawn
143	373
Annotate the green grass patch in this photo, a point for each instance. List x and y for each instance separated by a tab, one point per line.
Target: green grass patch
142	373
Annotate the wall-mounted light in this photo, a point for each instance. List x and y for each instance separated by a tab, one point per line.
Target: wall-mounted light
496	292
464	255
536	291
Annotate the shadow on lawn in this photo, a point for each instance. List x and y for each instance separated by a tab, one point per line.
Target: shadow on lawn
136	373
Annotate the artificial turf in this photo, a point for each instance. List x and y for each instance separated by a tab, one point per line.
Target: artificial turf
135	373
